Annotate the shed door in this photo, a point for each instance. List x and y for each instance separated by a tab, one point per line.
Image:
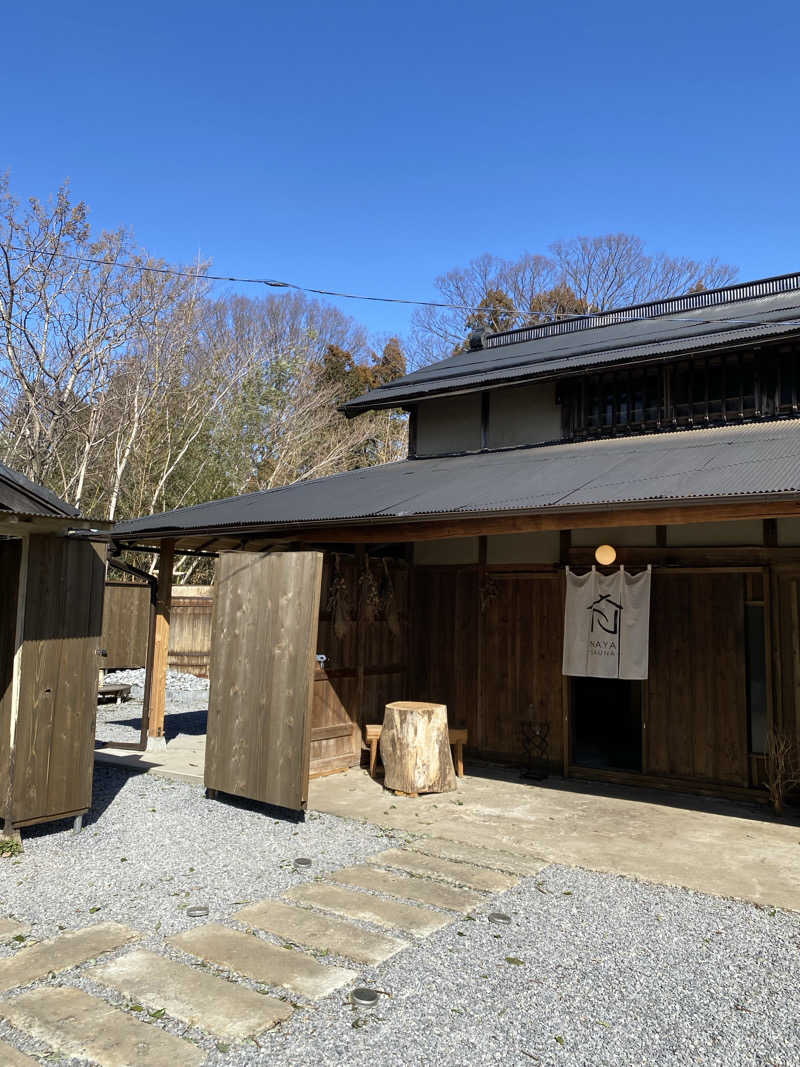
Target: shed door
266	610
58	685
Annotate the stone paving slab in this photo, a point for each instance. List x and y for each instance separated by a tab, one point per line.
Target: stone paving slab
10	1057
515	863
65	951
355	905
418	889
196	998
12	928
449	870
77	1024
254	958
305	927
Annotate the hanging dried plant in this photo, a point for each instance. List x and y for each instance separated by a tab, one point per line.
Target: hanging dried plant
390	612
369	599
488	592
339	604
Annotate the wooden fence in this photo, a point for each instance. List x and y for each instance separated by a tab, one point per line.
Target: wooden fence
126	620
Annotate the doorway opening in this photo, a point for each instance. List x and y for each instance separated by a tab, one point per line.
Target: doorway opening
607	724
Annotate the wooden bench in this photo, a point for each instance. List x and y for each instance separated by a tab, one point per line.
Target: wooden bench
458	738
117	693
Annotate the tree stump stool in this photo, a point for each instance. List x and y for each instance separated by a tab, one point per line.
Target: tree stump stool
415	748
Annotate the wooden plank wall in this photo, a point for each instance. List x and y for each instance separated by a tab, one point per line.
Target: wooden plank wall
489	647
786	659
190	633
521	662
58	697
488	644
696	707
366	664
264	640
126	621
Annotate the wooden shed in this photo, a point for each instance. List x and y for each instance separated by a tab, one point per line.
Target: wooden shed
50	631
664	437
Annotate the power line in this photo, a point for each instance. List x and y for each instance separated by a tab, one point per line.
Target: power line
277	284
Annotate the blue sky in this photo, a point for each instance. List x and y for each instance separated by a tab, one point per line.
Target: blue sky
371	146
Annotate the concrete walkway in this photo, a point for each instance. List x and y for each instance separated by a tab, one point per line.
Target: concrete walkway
715	846
183	758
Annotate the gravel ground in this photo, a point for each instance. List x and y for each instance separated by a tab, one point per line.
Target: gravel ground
594	970
185	713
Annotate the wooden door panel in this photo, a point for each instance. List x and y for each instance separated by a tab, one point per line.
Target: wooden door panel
58	689
266	611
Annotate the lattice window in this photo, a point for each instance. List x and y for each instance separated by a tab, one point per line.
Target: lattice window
708	390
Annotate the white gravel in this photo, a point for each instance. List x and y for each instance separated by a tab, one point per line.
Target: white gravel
185	712
610	971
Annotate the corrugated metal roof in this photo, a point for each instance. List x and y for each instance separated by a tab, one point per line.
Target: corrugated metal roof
664	329
750	460
21	496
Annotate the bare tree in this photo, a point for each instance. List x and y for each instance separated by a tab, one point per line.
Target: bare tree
66	302
577	276
615	270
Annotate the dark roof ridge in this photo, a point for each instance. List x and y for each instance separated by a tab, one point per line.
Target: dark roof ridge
651	309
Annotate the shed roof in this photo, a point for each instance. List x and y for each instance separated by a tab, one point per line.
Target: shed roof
733	315
20	496
753	460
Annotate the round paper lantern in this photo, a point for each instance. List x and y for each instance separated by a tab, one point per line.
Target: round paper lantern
605	555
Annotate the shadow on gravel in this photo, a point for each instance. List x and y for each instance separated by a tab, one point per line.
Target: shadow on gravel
270	810
193	723
107	782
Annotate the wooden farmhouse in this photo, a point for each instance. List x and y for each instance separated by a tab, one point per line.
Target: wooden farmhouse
669	431
50	627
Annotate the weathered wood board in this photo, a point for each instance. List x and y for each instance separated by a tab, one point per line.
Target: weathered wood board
126	623
696	725
522	635
262	667
58	686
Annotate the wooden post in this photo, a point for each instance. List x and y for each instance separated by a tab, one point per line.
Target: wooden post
361	640
155	686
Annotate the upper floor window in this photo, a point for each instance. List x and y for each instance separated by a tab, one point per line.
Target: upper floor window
707	390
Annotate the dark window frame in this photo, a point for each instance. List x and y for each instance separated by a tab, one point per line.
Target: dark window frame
722	388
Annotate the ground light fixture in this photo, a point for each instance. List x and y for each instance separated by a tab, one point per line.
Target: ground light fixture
197	911
302	863
499	917
605	555
362	997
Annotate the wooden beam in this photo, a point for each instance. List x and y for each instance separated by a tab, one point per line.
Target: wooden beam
375	531
362	561
158	650
711	555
